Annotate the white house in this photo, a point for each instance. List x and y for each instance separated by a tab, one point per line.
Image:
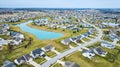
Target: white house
107	45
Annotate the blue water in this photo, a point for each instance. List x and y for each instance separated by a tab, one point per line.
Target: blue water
40	34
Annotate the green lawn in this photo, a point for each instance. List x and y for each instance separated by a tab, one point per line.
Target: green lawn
106	38
50	54
40	60
97	61
86	39
57	65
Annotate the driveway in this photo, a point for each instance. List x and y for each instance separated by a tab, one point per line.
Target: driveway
34	64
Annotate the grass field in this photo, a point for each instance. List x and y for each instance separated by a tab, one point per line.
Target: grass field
97	61
21	50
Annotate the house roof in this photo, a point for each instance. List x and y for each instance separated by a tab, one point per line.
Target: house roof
7	63
49	47
73	38
100	51
67	40
71	64
27	57
2	41
37	51
20	59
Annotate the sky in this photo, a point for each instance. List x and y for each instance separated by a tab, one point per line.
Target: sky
59	3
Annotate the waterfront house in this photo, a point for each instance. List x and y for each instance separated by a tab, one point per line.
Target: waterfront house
107	45
100	52
23	59
37	52
17	34
48	48
71	64
17	40
8	63
66	41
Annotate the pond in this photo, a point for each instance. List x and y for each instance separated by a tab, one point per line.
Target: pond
40	34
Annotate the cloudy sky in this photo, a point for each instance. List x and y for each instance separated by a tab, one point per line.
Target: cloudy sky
59	3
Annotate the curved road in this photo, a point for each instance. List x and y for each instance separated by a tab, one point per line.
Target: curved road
54	59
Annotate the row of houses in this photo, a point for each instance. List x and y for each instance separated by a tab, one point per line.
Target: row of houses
75	39
92	51
33	54
29	57
14	38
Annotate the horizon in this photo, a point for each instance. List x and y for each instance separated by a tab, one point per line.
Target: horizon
59	4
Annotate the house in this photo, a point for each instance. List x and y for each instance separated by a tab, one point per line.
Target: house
48	48
5	26
8	63
66	41
100	52
76	29
71	64
37	52
17	34
70	27
17	40
88	53
80	37
73	39
23	59
114	37
107	45
3	42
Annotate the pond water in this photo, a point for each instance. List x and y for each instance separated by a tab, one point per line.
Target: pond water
40	34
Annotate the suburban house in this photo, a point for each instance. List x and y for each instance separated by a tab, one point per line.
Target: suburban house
23	59
71	64
73	39
37	52
87	34
5	26
17	40
88	53
66	41
4	32
48	48
80	37
17	34
107	45
114	37
8	63
100	52
3	42
76	29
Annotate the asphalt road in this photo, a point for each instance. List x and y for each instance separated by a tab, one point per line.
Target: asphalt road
54	59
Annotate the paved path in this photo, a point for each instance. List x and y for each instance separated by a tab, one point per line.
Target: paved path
61	62
71	46
56	52
56	58
34	64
